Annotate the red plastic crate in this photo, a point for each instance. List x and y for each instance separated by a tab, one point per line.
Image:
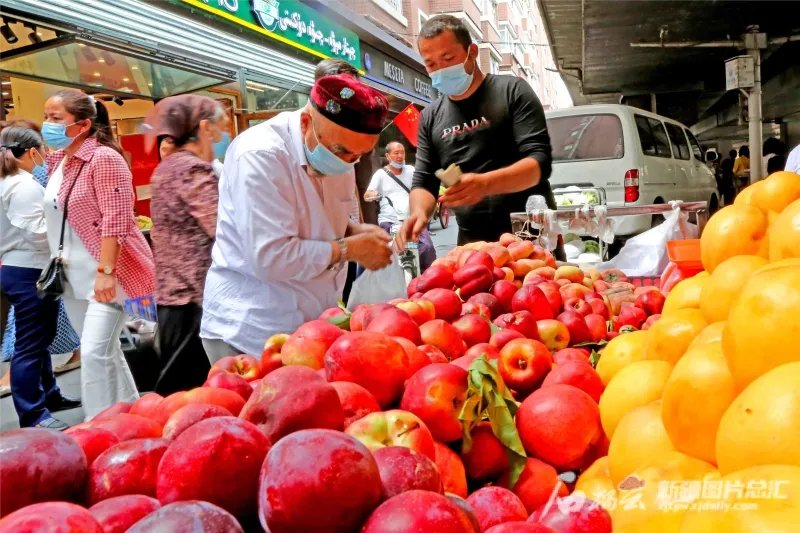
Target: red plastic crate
646	281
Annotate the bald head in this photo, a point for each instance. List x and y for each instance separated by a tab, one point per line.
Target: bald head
393	145
395	151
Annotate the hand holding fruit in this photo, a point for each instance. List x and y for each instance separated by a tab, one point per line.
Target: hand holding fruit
369	249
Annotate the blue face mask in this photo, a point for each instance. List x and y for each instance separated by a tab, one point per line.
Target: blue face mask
55	135
398	166
40	173
324	161
221	146
453	80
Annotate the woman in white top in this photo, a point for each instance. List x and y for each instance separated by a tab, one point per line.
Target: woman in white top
24	252
107	259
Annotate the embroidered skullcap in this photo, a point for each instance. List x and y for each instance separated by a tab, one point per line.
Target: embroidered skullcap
349	103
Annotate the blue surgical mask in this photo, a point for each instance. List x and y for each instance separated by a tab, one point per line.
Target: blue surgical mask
40	173
398	166
324	161
221	146
453	80
55	135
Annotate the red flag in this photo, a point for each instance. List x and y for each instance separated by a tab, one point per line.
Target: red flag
407	121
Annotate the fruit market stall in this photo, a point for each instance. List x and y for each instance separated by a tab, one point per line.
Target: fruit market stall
593	218
505	394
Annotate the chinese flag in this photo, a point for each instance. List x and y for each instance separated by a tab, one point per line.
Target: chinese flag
407	121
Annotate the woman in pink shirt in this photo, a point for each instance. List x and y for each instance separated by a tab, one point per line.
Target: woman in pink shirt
107	259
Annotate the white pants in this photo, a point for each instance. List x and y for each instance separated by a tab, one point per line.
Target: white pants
105	376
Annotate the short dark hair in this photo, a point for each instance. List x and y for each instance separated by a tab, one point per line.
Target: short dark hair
439	24
332	67
744	151
732	154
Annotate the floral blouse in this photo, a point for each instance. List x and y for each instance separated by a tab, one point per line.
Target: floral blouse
184	212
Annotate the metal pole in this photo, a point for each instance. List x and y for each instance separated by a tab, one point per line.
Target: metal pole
754	112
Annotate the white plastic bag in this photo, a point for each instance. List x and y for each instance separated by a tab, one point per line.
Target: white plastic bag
379	286
646	254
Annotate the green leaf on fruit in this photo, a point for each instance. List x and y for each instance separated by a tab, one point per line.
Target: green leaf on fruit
341	321
494	328
594	358
489	399
591	344
341	305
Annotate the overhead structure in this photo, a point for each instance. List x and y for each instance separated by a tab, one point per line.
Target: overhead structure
669	57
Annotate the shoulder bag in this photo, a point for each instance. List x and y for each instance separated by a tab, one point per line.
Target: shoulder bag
52	280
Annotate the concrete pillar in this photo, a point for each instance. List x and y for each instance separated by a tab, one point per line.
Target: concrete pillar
754	118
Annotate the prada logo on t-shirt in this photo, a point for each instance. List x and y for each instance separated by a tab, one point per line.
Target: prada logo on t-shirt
459	129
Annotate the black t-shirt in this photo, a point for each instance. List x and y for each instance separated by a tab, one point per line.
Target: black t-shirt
497	126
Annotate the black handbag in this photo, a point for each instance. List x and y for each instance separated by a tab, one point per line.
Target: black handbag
52	280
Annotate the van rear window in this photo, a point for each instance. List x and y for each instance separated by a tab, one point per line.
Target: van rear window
586	137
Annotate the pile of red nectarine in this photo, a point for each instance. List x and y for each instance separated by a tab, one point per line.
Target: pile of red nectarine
356	420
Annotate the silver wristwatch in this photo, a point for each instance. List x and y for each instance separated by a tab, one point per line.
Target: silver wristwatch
342	250
342	244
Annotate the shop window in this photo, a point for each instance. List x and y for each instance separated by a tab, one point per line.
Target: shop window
104	70
262	97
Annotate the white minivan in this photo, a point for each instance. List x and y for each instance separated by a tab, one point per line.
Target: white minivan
637	157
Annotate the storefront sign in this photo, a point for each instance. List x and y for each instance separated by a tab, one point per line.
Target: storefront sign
388	70
289	22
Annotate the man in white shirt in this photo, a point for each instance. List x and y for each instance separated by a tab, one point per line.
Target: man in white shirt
793	161
283	231
391	186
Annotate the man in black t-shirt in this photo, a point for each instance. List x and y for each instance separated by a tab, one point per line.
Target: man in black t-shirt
493	127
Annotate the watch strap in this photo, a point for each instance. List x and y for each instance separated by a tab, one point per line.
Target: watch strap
342	244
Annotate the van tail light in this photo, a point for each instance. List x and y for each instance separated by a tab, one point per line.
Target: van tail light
632	185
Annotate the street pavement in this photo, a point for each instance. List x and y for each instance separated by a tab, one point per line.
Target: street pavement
444	240
70	382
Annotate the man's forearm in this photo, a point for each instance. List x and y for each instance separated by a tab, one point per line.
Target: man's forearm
522	175
421	199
